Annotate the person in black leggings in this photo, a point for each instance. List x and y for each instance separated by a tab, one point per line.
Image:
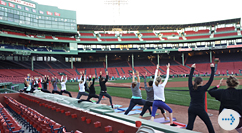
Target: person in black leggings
92	92
150	98
136	94
197	104
103	91
44	82
229	98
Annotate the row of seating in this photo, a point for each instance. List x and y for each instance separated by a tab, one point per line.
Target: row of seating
40	37
7	123
31	119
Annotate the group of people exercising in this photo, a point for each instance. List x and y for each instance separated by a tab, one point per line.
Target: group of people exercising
229	98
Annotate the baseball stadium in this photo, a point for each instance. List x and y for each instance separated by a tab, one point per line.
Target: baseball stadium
59	75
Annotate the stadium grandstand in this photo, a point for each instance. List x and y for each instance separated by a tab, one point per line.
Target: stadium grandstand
44	40
117	48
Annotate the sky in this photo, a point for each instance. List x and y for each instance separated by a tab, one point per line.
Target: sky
143	12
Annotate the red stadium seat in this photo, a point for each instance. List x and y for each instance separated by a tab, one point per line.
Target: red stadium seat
226	34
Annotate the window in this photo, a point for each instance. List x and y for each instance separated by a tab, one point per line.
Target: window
41	21
1	13
16	20
67	24
10	15
22	17
60	23
35	20
16	16
54	23
48	22
27	18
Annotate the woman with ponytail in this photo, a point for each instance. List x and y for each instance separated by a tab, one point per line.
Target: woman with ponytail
229	98
159	96
197	105
136	94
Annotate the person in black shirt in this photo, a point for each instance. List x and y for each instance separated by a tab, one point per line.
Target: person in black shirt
92	92
44	82
229	98
103	92
197	104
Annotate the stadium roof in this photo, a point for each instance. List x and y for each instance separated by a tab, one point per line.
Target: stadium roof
89	27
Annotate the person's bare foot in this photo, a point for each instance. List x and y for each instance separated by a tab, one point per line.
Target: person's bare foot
140	116
167	119
152	118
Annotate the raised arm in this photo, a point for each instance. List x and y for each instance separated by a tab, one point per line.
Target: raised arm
133	77
191	75
93	80
211	77
106	77
61	78
167	74
84	80
66	79
145	79
156	71
138	78
215	92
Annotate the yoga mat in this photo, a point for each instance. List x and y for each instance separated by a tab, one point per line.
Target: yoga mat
93	101
116	106
179	125
116	110
133	112
162	120
135	107
145	115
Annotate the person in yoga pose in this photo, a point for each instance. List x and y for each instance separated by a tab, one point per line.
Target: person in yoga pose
92	92
197	104
136	94
150	98
82	87
103	92
63	86
44	82
54	83
229	98
159	95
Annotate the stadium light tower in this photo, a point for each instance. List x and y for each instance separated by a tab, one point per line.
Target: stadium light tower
115	8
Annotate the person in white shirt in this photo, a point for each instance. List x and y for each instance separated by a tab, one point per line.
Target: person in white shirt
159	96
63	86
82	87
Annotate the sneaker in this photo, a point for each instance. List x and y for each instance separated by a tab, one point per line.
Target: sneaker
79	101
173	124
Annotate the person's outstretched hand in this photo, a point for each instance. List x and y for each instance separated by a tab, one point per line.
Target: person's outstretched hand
168	65
193	65
137	72
220	82
211	65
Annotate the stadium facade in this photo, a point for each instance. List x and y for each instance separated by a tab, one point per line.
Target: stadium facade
44	38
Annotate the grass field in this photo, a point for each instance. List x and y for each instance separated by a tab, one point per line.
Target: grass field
172	97
170	79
